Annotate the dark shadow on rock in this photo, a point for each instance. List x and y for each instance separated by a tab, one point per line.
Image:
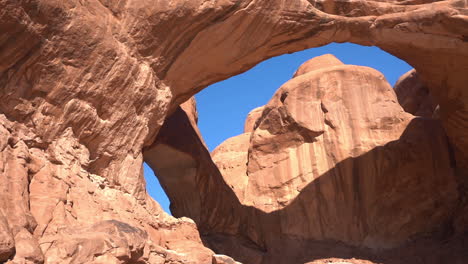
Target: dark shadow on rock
191	180
366	207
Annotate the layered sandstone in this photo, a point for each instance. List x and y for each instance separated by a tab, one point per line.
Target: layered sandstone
85	86
54	211
332	166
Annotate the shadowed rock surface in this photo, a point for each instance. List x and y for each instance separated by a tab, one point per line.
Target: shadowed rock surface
414	96
85	86
333	167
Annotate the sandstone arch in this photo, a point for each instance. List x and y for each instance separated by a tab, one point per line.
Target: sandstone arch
86	85
324	165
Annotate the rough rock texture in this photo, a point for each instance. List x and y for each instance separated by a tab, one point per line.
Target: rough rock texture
333	167
7	244
230	157
252	118
222	259
414	96
85	86
58	212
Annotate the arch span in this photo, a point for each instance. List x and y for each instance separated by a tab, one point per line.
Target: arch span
331	167
86	85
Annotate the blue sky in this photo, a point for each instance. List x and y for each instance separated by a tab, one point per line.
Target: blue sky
223	107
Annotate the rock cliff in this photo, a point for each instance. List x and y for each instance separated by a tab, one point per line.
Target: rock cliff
86	86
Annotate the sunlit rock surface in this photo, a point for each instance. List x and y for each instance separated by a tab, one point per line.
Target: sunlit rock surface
332	167
85	87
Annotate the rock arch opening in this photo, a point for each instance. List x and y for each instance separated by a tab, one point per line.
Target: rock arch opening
323	184
154	188
221	108
85	86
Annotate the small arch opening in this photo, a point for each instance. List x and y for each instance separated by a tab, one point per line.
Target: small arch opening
154	188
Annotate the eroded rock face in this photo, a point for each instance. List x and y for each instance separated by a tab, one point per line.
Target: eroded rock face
332	147
414	96
54	211
332	162
85	86
7	246
183	165
252	118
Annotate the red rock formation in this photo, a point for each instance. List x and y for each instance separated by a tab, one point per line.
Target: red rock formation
252	118
58	212
414	96
85	86
321	62
333	166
